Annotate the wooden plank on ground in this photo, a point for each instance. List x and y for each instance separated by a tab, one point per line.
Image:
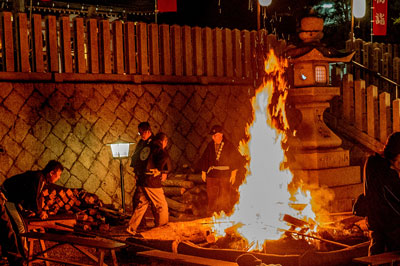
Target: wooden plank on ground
182	259
388	257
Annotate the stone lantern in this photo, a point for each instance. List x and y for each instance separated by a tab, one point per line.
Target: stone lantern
315	150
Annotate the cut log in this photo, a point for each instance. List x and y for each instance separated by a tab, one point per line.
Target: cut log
195	231
177	183
174	191
177	206
196	178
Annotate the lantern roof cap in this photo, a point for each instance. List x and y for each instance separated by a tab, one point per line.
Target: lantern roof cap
317	52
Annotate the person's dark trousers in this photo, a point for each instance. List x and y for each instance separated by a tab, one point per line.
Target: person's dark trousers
8	239
219	194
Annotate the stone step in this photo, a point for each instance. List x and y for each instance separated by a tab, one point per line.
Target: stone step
331	177
321	159
345	197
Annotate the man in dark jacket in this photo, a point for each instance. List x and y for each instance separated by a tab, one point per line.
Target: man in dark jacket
149	190
382	194
23	190
142	148
219	165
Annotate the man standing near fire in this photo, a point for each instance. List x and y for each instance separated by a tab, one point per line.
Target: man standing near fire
382	197
219	165
149	191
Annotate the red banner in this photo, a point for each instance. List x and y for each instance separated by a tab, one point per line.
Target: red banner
380	17
167	6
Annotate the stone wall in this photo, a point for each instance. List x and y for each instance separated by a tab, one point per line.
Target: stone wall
74	122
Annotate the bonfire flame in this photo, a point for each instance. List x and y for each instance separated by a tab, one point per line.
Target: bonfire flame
264	197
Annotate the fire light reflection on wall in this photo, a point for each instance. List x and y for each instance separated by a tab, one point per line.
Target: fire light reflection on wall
264	197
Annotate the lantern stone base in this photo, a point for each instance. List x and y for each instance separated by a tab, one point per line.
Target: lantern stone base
320	159
331	177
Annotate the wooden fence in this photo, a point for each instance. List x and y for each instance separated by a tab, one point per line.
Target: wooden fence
382	59
56	48
365	113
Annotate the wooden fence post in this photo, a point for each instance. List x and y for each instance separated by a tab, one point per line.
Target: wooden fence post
360	105
165	43
141	35
37	43
52	44
348	98
198	51
118	47
237	53
372	112
8	42
176	40
23	44
154	52
130	48
227	50
93	46
246	53
376	64
384	116
187	51
396	115
105	50
218	54
367	61
79	47
208	52
66	55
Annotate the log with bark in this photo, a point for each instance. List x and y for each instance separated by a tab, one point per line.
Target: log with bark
195	231
174	191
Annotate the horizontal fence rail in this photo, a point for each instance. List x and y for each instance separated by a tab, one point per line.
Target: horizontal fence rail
59	45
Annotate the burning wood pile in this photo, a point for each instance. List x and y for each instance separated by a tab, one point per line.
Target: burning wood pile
91	213
186	196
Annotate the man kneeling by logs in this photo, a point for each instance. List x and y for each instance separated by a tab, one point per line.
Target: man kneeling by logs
149	190
23	191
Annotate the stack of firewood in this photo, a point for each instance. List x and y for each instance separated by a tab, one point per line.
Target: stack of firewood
186	195
90	211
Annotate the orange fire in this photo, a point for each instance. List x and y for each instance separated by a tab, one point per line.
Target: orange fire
264	197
